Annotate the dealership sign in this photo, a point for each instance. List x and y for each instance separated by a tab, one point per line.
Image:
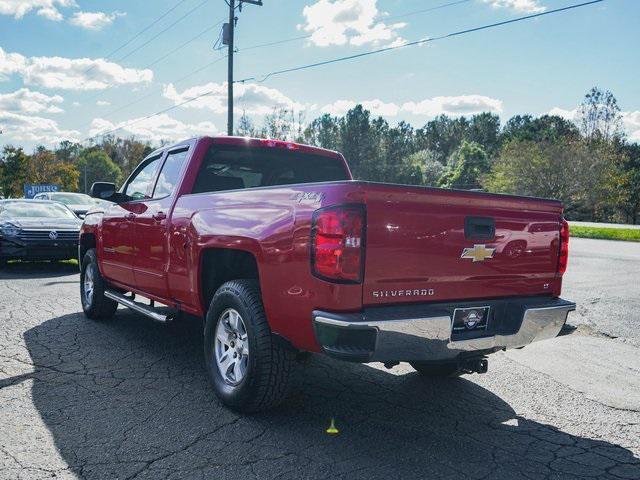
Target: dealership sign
31	191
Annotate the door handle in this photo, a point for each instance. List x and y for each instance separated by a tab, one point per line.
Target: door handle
130	216
159	216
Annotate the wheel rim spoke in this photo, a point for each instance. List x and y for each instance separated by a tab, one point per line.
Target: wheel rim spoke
231	347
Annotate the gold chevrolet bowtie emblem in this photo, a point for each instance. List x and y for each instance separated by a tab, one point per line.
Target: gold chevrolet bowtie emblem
478	253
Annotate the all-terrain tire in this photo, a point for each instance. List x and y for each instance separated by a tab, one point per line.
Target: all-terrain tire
95	305
267	375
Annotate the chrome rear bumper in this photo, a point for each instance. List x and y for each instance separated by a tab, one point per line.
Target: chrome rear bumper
425	333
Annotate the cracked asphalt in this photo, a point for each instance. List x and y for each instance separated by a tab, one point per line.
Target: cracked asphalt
130	399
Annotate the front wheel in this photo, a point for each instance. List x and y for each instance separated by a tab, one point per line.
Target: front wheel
249	370
92	286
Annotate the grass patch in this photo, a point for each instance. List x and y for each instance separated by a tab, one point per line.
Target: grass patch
626	234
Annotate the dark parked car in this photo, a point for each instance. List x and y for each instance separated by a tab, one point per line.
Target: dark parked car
78	202
37	230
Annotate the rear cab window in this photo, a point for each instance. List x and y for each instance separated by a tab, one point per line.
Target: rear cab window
233	168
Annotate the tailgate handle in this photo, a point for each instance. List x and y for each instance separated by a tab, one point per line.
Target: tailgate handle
479	228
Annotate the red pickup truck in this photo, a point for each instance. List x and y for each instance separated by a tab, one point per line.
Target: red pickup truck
281	252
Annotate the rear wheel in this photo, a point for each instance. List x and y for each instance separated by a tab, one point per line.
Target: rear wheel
92	286
436	369
249	370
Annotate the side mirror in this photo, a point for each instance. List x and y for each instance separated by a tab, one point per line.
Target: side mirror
102	190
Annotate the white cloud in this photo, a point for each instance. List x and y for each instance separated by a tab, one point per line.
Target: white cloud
430	107
29	128
524	6
567	114
50	13
103	103
11	63
338	22
458	105
70	73
94	20
45	8
28	101
376	107
631	122
155	129
251	98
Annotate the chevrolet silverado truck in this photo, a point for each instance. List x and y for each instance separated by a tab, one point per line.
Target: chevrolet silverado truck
281	252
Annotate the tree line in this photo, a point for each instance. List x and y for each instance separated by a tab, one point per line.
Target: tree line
588	163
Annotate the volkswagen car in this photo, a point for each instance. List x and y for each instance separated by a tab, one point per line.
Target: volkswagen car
78	202
37	230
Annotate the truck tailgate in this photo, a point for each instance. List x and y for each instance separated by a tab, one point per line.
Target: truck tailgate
425	244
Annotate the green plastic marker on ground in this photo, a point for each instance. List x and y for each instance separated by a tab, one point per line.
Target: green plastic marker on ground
332	430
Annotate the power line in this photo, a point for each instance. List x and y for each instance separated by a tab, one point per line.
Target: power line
193	39
425	10
415	42
181	79
163	57
402	15
269	44
128	42
163	31
351	57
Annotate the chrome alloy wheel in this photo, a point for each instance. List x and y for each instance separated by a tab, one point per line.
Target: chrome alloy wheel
231	347
88	284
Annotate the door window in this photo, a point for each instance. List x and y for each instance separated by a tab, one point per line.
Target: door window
141	183
170	174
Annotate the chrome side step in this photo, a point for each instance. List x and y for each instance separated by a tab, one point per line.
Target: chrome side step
146	310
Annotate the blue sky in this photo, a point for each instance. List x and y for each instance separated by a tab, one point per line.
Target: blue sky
58	81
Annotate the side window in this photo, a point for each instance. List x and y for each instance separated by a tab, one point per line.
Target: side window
140	185
169	176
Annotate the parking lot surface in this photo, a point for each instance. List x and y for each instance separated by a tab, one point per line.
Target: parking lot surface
129	398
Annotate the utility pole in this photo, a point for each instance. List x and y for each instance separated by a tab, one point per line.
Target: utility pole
228	31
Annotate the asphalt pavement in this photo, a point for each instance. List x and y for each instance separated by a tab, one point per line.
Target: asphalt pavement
129	398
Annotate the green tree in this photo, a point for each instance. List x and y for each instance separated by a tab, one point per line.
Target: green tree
98	167
442	136
359	143
421	168
44	168
579	174
68	151
484	129
14	170
599	116
626	183
465	167
547	128
246	128
323	132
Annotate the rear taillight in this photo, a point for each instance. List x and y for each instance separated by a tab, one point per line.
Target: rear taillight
563	258
337	243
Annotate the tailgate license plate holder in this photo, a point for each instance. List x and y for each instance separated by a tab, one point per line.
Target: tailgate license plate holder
470	319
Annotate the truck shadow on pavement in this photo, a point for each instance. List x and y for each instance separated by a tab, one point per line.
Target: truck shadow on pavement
130	399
